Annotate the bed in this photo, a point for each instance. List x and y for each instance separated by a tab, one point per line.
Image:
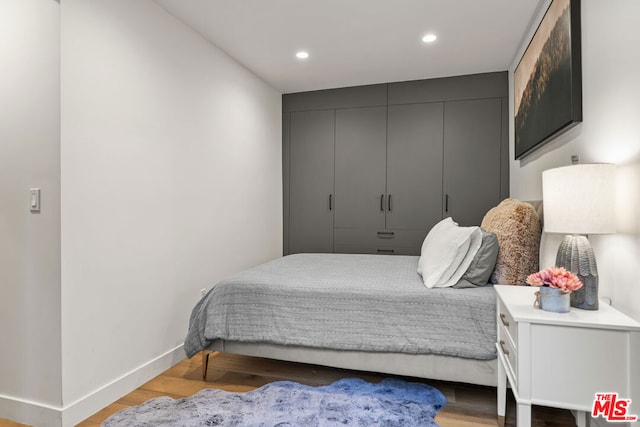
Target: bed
361	312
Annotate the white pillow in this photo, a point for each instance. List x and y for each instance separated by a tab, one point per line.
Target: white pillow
447	252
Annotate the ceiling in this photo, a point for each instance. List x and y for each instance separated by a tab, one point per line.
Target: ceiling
356	42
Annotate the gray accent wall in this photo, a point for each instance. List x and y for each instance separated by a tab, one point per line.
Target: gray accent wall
402	157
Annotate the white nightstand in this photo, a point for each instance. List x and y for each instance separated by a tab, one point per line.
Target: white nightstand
563	359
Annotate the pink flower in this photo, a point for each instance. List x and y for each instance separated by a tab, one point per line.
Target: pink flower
555	277
535	279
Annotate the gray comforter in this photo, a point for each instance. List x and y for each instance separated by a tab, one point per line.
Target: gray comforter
346	302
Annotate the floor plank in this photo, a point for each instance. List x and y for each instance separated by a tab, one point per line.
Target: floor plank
7	423
467	405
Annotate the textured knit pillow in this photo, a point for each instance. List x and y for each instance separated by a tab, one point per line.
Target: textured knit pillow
517	227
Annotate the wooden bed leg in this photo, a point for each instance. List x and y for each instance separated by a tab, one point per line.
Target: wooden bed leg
205	363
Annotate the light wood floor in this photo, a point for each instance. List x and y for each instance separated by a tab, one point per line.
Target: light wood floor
467	406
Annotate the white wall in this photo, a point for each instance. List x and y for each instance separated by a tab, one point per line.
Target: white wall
610	132
29	243
171	180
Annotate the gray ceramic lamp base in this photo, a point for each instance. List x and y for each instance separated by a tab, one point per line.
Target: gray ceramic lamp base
576	255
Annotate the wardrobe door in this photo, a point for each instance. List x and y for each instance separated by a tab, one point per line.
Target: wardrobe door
414	167
360	167
472	132
311	174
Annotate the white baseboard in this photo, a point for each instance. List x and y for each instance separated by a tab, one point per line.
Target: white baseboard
83	408
38	414
28	412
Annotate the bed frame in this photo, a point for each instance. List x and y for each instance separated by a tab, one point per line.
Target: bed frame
432	366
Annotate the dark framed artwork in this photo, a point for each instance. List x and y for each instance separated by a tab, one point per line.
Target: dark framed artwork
548	79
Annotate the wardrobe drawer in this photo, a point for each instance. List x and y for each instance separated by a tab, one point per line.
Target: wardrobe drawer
410	240
509	351
363	249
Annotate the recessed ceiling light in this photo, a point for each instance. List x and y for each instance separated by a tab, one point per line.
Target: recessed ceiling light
429	38
302	55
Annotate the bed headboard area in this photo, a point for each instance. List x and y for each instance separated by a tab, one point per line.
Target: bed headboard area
518	227
504	250
537	205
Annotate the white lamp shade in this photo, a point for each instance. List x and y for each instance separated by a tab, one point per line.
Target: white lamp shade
579	199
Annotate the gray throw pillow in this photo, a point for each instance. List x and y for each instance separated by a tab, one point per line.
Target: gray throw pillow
483	263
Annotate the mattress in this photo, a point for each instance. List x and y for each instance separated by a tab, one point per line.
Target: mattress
372	303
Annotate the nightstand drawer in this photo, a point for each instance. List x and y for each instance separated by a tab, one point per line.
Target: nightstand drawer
505	320
510	353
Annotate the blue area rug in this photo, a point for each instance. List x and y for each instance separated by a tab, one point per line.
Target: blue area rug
347	402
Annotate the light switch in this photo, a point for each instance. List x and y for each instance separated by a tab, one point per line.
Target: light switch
34	203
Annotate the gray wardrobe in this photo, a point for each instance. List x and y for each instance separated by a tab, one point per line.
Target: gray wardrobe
370	169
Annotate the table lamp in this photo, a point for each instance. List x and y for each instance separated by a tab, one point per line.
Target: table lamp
579	200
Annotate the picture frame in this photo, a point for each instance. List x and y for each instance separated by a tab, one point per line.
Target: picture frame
548	79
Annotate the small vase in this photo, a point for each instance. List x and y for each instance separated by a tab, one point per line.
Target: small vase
553	299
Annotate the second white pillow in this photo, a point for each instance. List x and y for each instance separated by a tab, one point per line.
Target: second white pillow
447	252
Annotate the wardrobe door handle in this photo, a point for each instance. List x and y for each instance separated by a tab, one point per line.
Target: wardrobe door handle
385	251
382	203
446	203
389	202
330	202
